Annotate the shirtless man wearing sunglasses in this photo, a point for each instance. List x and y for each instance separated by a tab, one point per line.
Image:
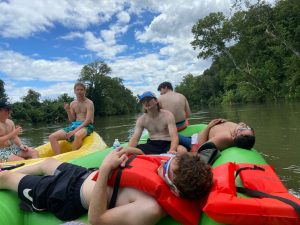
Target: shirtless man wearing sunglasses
186	175
225	134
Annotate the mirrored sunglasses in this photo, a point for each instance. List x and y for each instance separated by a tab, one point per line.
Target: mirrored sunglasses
166	174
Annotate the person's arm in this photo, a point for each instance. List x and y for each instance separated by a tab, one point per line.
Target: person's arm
144	210
132	150
11	135
17	141
98	206
71	113
137	133
173	133
203	136
187	109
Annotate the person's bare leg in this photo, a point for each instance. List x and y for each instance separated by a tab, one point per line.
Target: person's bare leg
181	149
10	180
78	138
14	157
47	166
54	138
30	154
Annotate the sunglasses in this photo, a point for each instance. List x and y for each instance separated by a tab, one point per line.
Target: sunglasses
166	175
245	128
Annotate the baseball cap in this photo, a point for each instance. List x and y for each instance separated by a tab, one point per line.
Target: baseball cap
4	104
146	94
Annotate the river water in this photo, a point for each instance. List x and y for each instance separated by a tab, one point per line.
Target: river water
277	129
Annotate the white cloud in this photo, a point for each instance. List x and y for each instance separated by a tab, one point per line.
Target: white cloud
49	92
103	47
123	17
176	18
72	36
144	69
18	66
147	72
21	18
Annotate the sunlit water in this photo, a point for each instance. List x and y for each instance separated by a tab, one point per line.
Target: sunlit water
277	128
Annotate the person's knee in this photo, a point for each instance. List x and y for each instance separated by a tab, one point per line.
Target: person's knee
79	136
52	137
49	165
58	135
4	176
181	149
34	153
48	162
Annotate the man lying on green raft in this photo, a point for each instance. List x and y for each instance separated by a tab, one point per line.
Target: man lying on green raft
223	133
69	191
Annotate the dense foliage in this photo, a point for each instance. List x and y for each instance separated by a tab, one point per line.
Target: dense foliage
32	109
255	53
109	95
2	90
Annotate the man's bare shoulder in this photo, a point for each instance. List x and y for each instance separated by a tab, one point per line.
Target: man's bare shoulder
6	126
164	111
89	101
10	123
167	113
73	103
140	120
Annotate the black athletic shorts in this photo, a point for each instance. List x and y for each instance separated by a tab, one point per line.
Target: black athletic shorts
155	147
58	194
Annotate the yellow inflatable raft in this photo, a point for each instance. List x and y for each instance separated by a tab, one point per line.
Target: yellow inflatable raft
90	144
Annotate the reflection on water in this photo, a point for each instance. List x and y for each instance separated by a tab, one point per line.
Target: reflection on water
277	129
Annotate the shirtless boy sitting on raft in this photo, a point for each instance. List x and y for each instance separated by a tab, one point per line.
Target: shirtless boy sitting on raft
81	115
11	147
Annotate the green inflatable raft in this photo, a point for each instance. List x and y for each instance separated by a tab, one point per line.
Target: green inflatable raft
10	214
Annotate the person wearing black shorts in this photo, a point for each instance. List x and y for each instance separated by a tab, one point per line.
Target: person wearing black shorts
69	191
154	147
160	125
58	193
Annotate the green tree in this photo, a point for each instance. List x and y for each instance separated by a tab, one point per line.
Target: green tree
65	98
109	95
94	75
30	107
32	98
255	52
2	90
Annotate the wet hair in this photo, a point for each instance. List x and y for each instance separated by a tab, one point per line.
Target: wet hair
193	177
244	141
164	85
79	84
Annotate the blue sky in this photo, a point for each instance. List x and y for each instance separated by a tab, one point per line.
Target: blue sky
45	43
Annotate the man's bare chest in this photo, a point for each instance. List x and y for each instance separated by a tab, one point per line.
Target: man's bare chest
80	108
156	125
5	128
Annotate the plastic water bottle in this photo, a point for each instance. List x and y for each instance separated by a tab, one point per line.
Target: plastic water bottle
116	143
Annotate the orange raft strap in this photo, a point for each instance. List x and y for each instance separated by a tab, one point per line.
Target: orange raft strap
224	206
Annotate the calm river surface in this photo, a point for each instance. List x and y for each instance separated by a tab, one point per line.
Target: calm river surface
277	128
